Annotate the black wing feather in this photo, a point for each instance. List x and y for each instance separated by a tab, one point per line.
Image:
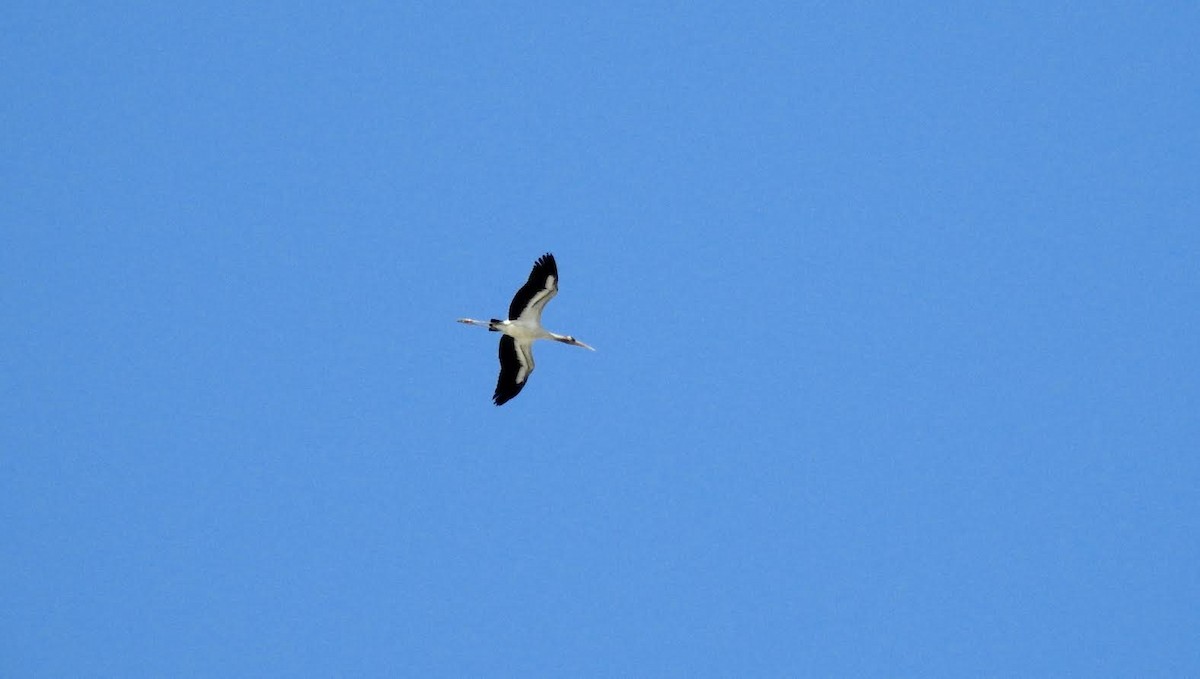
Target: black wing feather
545	266
507	385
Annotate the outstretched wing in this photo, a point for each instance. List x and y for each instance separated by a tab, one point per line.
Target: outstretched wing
542	285
516	364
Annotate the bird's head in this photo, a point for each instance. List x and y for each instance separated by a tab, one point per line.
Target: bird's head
573	342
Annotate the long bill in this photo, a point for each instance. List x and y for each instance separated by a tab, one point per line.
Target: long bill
567	339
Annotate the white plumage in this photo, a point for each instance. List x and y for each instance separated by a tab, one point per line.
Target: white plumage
523	327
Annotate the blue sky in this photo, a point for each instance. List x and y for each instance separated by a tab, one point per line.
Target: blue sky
895	308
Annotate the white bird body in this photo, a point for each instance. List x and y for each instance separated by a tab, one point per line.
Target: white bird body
525	331
523	327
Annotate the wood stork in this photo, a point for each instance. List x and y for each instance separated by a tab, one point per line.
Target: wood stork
524	325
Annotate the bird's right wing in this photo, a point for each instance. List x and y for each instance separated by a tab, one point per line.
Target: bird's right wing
541	287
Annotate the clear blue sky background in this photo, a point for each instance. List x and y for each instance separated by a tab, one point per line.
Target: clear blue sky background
896	310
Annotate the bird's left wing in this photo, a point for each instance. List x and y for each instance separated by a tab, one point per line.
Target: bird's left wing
516	364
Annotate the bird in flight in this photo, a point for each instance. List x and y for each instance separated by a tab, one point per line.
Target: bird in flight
524	325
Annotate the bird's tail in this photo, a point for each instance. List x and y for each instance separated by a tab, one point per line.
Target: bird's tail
490	325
